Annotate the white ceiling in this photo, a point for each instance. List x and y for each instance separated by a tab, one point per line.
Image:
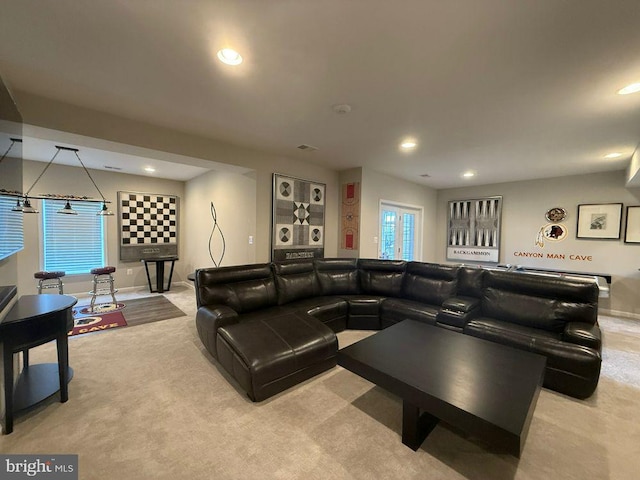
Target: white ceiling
513	90
40	145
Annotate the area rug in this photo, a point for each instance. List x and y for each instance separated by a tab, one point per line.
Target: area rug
99	308
150	309
130	313
97	323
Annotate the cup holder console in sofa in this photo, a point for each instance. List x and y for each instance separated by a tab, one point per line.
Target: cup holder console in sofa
273	325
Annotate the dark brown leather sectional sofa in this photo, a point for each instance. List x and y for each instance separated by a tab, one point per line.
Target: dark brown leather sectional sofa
272	326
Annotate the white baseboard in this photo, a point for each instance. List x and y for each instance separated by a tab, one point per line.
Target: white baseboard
184	283
123	289
619	313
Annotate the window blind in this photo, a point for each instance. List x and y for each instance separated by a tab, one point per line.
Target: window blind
72	243
11	233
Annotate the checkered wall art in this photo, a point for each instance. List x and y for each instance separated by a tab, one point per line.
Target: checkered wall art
298	218
148	225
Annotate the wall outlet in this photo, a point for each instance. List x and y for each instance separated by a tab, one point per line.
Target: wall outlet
250	239
375	239
129	271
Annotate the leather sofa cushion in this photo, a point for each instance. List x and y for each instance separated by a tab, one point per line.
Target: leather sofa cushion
429	283
576	299
295	280
470	282
381	277
569	288
364	304
577	359
243	288
544	313
452	319
209	319
337	276
330	310
583	334
265	350
395	310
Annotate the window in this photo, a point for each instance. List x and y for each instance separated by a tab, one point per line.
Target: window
11	236
72	243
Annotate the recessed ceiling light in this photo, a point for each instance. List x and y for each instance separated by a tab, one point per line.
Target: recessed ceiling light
342	109
613	155
229	56
468	174
149	169
408	144
633	88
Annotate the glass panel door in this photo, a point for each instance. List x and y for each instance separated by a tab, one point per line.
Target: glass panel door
399	232
408	236
388	229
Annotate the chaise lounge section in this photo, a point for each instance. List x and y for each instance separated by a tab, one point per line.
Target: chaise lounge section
272	326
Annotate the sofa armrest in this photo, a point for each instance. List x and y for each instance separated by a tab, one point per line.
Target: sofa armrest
209	319
461	304
585	334
457	311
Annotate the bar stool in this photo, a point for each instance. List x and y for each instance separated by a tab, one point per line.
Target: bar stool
49	280
101	277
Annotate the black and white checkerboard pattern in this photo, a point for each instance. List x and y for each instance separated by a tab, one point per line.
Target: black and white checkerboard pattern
148	219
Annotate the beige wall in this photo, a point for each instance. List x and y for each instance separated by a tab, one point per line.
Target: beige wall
10	177
234	198
9	271
73	180
523	214
69	118
376	187
523	210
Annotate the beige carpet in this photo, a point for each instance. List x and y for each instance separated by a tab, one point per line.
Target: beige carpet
149	403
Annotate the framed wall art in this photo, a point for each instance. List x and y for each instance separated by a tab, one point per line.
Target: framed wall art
473	229
147	225
599	221
298	218
350	216
632	225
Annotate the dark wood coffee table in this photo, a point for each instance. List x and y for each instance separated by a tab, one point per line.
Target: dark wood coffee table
485	389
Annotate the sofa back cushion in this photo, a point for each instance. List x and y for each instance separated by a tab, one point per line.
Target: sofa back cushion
381	277
243	288
429	282
470	281
295	280
337	276
539	301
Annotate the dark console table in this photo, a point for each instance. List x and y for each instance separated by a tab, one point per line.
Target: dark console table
159	261
32	321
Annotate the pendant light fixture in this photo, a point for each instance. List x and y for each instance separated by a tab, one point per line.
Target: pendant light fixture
104	211
18	206
27	208
67	209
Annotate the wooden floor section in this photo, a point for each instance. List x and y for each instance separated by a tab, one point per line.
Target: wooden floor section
139	311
